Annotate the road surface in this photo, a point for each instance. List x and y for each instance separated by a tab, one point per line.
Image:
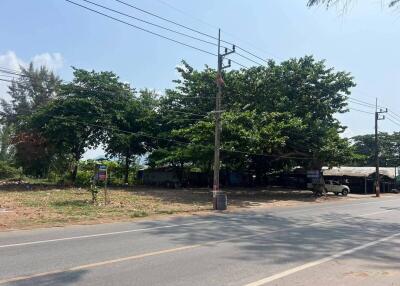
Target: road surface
347	242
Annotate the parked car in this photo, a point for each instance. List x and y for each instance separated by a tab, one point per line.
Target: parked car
337	188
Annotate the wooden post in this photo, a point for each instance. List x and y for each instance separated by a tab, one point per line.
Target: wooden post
105	190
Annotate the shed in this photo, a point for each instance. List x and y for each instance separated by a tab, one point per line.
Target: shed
362	179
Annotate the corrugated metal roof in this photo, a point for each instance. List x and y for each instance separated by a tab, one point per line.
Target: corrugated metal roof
358	171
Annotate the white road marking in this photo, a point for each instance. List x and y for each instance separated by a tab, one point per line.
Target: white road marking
158	227
169	250
291	271
100	234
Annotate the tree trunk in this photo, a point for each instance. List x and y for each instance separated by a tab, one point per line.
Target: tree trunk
75	170
74	173
180	174
127	163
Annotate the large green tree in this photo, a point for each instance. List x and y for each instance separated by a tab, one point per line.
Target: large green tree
81	117
5	142
131	126
389	149
275	116
34	89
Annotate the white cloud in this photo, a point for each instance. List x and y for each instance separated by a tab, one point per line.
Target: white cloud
52	61
9	60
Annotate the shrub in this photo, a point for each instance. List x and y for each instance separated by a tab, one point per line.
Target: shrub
84	178
7	171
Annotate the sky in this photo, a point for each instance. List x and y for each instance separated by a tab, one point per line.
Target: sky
364	40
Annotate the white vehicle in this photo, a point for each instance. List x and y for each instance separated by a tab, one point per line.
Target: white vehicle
336	188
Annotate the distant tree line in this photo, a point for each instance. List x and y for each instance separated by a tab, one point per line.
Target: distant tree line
275	117
364	150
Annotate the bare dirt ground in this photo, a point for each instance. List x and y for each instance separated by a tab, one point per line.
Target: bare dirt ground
24	207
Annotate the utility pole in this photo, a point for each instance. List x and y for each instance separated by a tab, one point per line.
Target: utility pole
377	175
218	128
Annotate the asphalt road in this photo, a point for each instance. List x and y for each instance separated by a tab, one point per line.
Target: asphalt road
350	242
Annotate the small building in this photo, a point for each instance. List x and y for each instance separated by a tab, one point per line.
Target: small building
172	177
362	179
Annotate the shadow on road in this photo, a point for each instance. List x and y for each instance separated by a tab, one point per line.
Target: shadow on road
261	238
273	239
65	278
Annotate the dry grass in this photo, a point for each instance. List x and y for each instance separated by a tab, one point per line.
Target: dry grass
42	207
57	207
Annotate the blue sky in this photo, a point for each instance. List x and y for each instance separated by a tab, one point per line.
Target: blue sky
363	41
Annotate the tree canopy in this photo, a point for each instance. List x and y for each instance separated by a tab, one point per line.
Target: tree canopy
274	117
81	116
34	89
389	149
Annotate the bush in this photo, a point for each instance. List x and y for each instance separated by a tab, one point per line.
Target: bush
84	178
7	171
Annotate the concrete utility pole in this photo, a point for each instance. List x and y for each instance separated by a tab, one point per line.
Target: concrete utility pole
218	128
377	175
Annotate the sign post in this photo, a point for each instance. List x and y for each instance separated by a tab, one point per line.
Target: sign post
317	181
102	176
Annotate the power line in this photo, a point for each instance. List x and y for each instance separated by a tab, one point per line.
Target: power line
362	104
7	75
191	97
115	93
361	101
393	118
142	29
177	141
370	105
186	14
151	23
6	80
214	27
363	111
196	114
239	64
167	20
5	68
188	113
193	30
394	114
394	122
247	58
11	72
351	99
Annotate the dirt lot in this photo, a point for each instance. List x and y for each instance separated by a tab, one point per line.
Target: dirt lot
23	207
